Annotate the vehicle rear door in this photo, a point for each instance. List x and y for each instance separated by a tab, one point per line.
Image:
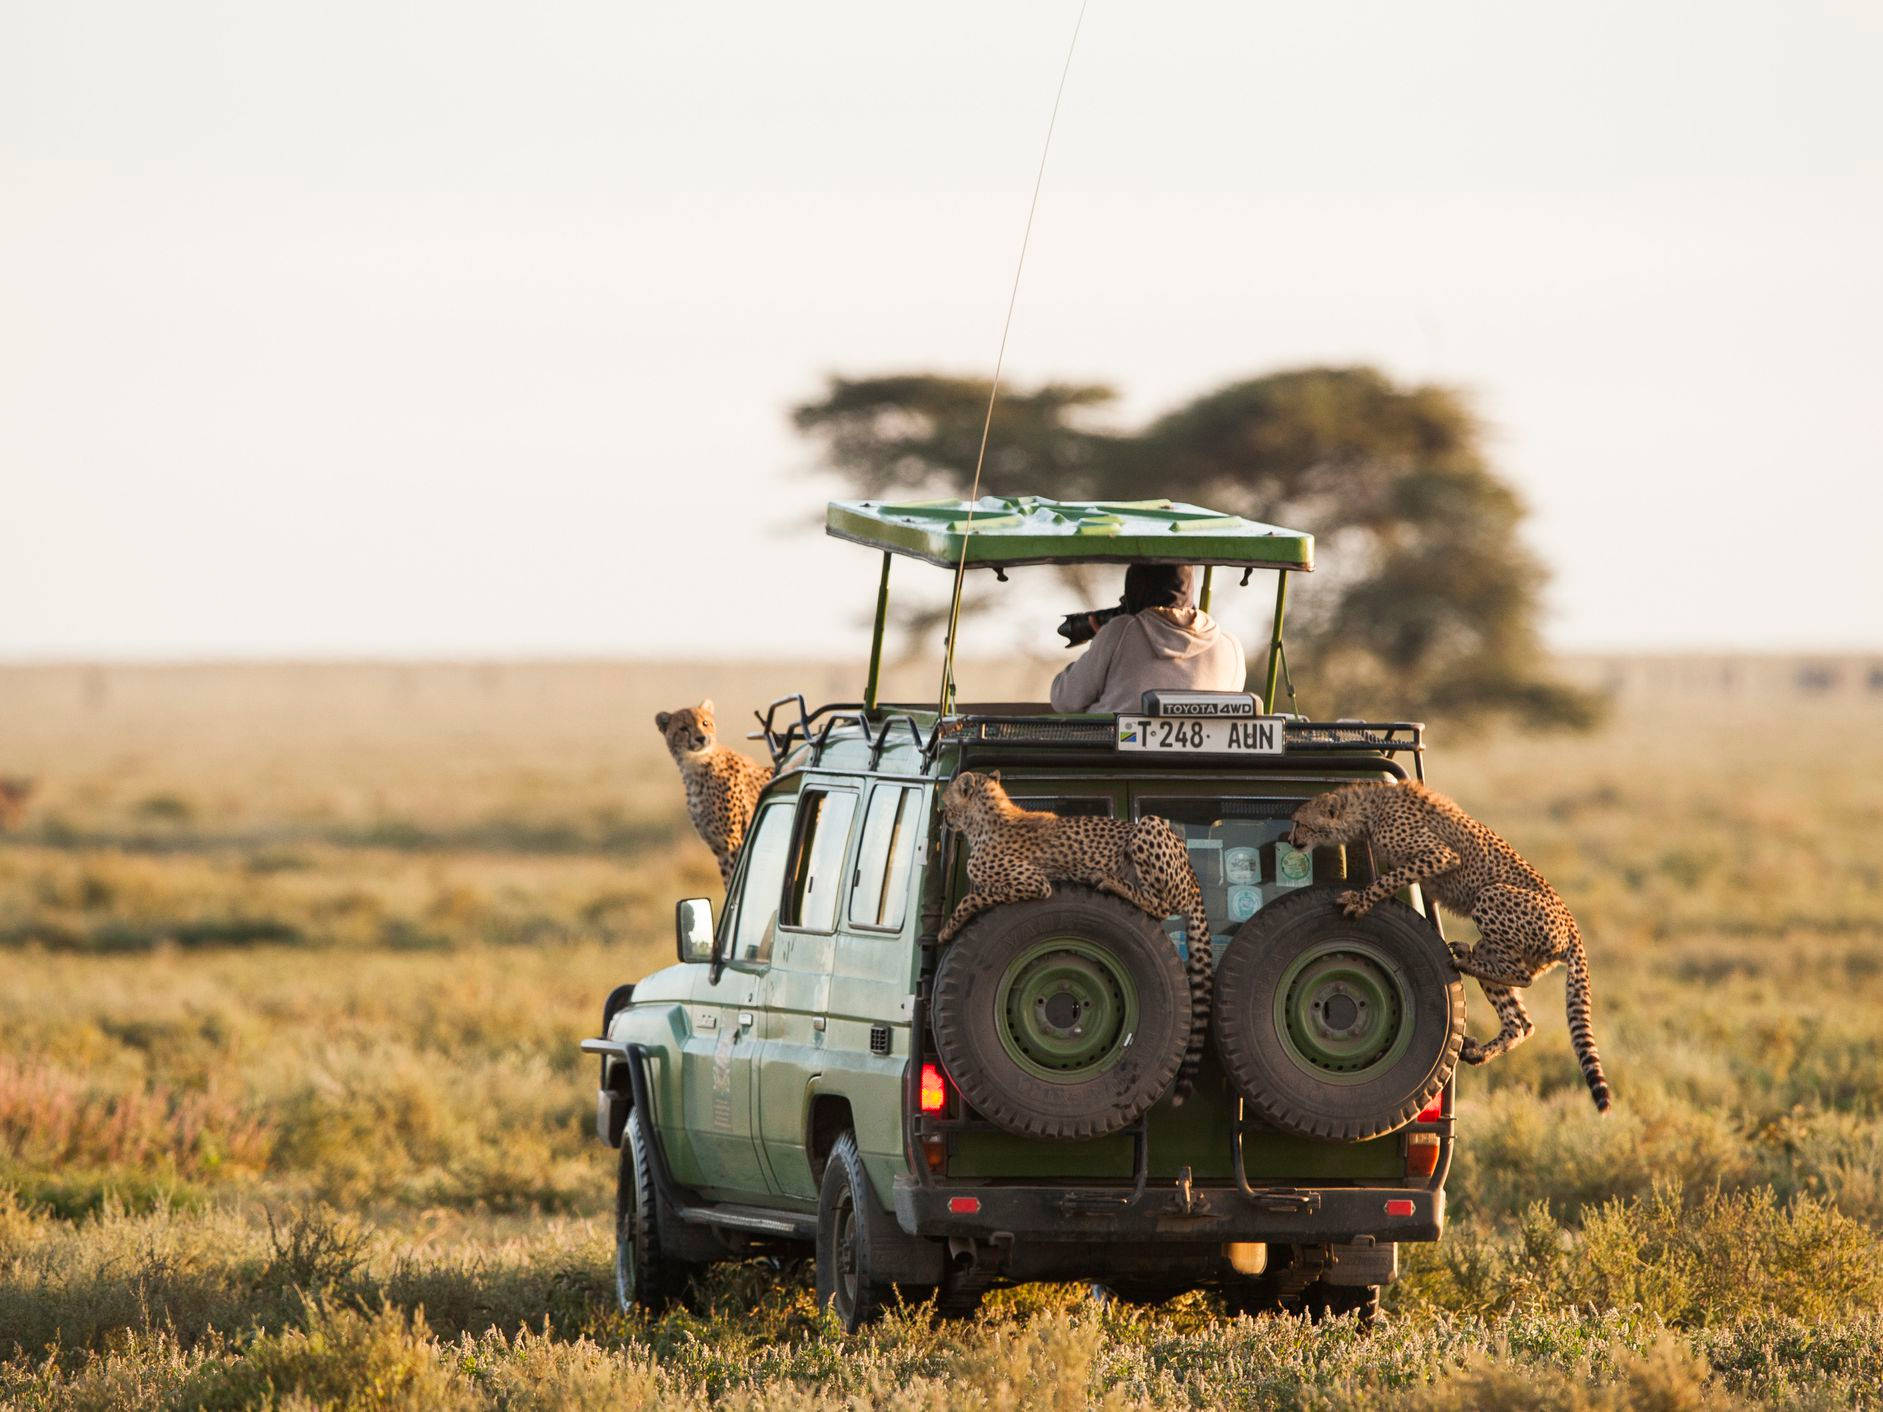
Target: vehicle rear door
873	975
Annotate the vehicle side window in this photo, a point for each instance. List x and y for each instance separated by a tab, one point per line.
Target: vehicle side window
765	853
880	897
816	877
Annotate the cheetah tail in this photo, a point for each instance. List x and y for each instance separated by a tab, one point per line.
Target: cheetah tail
1576	997
1201	976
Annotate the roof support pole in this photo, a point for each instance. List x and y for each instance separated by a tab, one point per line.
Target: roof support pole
1203	595
1274	642
947	703
876	637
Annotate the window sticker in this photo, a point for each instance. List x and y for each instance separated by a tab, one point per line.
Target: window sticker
1242	866
1245	900
1294	867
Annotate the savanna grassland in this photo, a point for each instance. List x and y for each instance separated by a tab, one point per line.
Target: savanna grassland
295	961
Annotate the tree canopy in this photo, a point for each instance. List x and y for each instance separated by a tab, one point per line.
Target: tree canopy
1424	599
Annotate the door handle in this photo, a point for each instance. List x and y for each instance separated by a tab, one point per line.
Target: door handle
745	1019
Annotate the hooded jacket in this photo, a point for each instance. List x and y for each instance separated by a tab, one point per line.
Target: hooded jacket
1169	648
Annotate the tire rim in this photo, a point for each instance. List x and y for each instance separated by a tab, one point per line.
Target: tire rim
1066	1009
847	1275
1342	1011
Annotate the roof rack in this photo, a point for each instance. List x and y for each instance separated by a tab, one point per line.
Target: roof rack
803	727
815	728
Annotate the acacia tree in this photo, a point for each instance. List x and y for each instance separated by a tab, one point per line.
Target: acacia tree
1426	600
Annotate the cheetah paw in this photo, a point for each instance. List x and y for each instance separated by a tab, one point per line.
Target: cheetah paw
1354	904
1471	1052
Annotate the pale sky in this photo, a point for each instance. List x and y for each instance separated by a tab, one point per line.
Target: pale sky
467	329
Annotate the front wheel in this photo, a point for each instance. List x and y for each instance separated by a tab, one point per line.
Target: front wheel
645	1277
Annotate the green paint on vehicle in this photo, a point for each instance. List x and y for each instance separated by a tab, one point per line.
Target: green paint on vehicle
1031	529
1343	1011
1067	1010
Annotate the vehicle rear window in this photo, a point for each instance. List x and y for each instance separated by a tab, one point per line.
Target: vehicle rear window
765	853
823	840
1242	857
1068	806
890	827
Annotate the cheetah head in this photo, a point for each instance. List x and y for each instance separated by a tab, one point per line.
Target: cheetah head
688	731
1338	816
970	796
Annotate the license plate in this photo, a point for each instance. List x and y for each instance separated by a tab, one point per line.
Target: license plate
1193	735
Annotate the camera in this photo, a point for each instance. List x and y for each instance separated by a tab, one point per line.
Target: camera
1081	628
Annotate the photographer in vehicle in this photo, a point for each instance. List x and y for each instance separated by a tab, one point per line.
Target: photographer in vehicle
1157	638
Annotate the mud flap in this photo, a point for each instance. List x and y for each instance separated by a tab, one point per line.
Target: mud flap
1362	1262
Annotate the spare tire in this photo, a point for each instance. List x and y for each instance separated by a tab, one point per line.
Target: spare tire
1062	1017
1333	1026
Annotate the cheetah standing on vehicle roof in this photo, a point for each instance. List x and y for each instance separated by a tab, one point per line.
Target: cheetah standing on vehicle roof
1524	928
1015	855
722	785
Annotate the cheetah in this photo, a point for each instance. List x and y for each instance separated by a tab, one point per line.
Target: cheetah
722	785
1524	928
1017	854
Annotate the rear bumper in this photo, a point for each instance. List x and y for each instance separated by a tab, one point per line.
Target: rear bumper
1166	1212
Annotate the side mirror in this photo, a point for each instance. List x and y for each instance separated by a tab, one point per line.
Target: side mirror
693	929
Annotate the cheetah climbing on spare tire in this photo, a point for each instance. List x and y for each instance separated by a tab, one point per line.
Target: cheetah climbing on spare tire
1017	855
1418	835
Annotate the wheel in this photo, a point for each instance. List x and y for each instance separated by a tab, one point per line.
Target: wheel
851	1226
960	1294
645	1276
1065	1017
1338	1027
1324	1301
1145	1296
1254	1297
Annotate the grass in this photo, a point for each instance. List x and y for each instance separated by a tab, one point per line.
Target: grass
291	1111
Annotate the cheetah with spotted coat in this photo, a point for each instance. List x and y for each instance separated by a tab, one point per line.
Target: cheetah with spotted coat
1016	855
1524	928
722	786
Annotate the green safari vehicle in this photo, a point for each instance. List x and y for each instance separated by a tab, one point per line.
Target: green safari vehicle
817	1073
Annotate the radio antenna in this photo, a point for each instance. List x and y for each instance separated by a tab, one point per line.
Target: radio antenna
946	695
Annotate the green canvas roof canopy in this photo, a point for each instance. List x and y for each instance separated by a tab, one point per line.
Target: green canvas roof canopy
1029	529
1002	531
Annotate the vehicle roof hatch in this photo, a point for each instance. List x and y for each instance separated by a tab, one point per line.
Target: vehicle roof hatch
1000	531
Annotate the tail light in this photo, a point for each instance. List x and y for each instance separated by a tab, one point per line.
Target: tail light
1421	1154
1432	1112
932	1092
